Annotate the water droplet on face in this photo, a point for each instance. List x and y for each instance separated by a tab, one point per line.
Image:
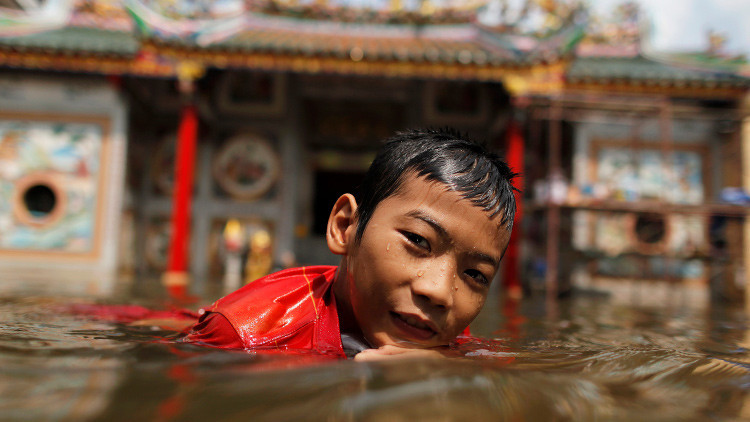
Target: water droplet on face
388	247
420	273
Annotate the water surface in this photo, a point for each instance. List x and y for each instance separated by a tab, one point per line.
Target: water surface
579	359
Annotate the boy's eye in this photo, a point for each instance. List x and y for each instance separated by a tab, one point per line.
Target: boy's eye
477	276
417	240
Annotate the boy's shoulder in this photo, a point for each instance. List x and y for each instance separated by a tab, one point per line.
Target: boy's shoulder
280	305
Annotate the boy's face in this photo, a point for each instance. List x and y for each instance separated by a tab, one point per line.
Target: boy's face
423	267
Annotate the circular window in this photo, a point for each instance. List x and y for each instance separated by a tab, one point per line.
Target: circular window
650	228
38	200
650	232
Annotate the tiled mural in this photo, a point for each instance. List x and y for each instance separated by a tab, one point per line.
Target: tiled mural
49	184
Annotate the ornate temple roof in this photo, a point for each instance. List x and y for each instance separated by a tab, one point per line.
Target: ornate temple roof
643	70
392	45
122	36
76	39
614	57
91	37
153	37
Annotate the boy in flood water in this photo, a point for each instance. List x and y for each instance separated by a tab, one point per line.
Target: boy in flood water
419	247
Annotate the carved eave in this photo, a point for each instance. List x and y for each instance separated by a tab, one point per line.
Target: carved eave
641	75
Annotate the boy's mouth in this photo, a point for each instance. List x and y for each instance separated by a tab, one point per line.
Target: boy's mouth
413	326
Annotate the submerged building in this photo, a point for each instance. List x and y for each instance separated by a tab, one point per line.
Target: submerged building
272	109
635	172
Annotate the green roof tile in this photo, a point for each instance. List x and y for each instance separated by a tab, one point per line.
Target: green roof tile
644	69
76	40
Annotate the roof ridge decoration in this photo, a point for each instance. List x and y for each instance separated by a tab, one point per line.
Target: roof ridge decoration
713	60
538	19
557	17
51	15
205	31
359	29
616	35
625	34
154	36
202	31
529	48
563	28
101	14
423	12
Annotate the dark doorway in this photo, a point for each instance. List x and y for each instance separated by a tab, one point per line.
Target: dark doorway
329	185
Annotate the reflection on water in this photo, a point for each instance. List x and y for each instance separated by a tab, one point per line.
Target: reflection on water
581	359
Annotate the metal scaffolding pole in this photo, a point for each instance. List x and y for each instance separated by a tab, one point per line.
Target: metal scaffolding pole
553	212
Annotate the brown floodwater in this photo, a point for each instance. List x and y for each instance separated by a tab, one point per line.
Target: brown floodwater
584	358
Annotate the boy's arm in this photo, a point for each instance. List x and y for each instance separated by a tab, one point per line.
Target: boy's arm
390	352
215	330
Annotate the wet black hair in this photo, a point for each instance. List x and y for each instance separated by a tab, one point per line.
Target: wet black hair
444	156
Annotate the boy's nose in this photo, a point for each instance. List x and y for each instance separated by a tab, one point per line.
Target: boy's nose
435	285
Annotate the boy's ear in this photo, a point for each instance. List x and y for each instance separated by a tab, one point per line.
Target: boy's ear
342	224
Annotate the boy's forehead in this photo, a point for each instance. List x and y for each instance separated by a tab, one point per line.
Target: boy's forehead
414	183
417	189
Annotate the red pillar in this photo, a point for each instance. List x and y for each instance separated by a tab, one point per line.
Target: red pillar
515	157
176	279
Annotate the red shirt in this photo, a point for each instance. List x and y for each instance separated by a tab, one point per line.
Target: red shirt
293	309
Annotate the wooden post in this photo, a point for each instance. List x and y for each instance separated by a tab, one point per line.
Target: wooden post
746	185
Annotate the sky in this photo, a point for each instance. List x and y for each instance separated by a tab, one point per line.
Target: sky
682	25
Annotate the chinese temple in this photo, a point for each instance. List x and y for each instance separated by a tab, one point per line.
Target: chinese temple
166	137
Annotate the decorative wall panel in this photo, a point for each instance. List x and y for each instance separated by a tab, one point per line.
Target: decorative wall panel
51	183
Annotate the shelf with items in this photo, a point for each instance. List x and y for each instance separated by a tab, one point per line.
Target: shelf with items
615	186
649	269
691	244
719	209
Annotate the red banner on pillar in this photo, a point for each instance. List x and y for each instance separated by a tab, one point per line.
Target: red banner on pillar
183	190
515	157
